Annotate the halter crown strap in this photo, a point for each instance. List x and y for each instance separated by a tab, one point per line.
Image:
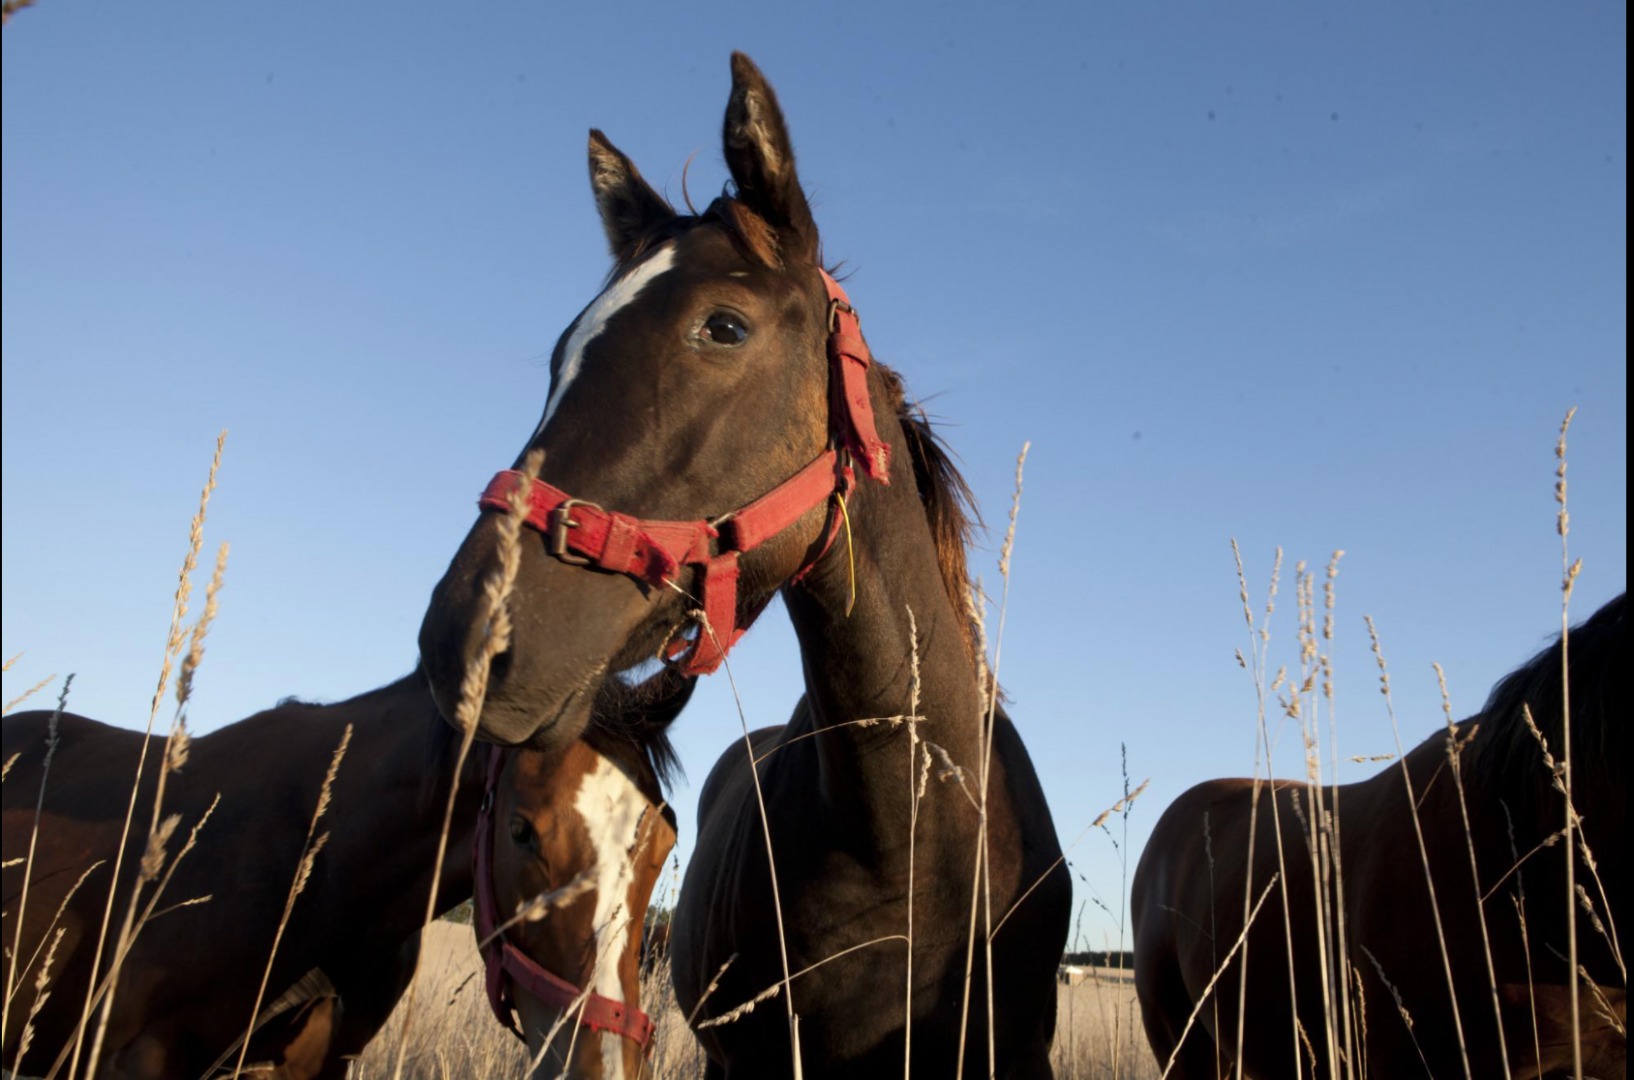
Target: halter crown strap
851	411
505	964
584	534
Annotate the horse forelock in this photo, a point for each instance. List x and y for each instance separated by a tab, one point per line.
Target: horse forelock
752	234
1507	754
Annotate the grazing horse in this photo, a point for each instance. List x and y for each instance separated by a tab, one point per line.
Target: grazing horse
710	441
1190	884
588	828
188	985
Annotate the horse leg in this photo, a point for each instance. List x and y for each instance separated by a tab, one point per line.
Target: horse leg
1032	1062
1165	1006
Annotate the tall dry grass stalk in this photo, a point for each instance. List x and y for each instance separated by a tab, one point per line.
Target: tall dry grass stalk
51	741
990	690
1456	745
917	776
26	694
1119	1032
1423	849
54	933
977	611
173	644
1302	704
1119	807
1259	646
496	593
1208	991
1351	1040
12	974
981	891
771	857
1301	695
1569	571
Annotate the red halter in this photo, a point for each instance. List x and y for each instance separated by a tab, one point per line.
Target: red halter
584	534
506	964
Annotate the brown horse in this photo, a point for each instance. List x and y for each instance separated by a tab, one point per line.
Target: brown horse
1190	884
188	985
589	828
710	440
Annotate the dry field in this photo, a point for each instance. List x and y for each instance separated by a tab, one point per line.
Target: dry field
454	1035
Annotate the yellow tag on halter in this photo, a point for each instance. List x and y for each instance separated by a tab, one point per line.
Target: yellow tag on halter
850	553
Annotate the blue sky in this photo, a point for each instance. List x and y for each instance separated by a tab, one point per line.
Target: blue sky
1302	276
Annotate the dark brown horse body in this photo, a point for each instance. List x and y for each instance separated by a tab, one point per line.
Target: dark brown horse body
189	983
838	800
703	378
1189	888
187	988
842	868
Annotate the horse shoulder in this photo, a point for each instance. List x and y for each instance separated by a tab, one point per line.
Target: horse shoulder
728	773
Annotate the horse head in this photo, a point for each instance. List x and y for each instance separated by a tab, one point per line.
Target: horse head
705	410
570	846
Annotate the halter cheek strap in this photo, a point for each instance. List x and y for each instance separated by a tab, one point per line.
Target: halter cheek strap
507	966
582	533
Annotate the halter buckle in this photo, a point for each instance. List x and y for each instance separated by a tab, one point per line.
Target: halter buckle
835	307
561	520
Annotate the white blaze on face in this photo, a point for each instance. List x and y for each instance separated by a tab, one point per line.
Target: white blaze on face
617	296
611	806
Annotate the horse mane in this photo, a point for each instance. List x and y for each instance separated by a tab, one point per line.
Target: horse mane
1507	754
950	505
629	725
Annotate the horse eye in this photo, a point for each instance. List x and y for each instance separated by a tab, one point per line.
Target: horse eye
521	832
724	328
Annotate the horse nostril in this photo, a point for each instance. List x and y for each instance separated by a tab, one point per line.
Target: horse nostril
499	667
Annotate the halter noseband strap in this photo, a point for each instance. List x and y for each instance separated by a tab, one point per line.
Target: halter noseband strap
506	965
584	534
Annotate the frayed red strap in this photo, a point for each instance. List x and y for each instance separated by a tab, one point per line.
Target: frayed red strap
650	550
654	551
851	417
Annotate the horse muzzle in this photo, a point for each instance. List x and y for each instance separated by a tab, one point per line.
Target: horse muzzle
535	684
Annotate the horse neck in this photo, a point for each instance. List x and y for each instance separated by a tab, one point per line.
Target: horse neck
389	797
859	666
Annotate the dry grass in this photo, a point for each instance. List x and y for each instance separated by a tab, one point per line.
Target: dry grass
1098	1035
1337	1047
455	1036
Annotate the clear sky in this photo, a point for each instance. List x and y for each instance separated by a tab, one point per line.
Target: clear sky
1301	275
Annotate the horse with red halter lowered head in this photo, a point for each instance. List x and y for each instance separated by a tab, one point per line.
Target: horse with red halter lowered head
716	433
575	841
189	983
1189	889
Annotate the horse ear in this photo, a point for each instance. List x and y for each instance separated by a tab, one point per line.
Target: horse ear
629	207
761	159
